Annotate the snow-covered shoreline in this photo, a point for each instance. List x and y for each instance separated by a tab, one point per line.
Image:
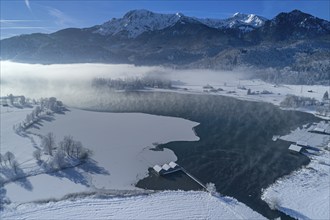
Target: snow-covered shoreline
304	194
158	205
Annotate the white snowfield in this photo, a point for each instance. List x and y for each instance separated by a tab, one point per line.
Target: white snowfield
160	205
9	140
305	194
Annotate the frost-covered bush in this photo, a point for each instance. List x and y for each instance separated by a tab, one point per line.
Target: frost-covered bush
210	187
52	104
273	203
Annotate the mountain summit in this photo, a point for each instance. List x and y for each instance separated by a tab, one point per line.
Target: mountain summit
136	22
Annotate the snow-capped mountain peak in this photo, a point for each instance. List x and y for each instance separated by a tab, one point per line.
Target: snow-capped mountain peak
248	19
236	14
136	22
244	22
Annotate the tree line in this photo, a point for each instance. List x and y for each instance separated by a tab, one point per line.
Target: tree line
131	84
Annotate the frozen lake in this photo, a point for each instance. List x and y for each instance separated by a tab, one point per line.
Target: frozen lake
121	144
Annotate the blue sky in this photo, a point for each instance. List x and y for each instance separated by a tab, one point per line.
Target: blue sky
30	16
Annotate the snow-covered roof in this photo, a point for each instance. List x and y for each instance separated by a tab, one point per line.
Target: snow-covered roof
173	164
294	147
302	143
166	167
319	129
157	168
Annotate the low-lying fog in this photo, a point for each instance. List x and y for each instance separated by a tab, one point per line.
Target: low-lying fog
72	82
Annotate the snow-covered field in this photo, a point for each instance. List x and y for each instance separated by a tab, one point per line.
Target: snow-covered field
161	205
43	186
120	143
305	194
20	146
278	92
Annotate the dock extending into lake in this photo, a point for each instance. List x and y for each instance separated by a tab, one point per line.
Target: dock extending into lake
173	167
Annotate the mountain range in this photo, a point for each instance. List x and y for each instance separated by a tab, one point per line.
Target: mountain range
293	42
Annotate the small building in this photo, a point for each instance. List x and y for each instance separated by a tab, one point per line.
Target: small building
166	168
319	130
158	169
173	165
208	87
302	143
296	148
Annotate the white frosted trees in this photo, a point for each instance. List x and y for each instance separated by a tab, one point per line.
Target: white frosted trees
73	148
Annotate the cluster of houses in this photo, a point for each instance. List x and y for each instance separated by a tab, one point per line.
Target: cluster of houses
209	88
167	168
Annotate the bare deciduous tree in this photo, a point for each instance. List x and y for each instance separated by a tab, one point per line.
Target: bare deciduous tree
37	155
11	99
78	148
48	143
22	100
1	159
9	156
37	111
67	145
325	96
58	160
15	166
